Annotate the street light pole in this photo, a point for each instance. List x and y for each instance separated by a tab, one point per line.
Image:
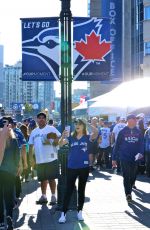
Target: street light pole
66	63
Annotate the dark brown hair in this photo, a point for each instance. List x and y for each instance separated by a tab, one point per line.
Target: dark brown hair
24	130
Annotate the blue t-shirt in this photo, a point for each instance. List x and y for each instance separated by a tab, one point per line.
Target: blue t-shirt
20	137
79	152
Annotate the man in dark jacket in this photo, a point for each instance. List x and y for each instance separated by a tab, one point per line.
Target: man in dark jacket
129	148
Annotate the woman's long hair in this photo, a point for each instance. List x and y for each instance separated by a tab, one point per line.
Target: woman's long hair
24	130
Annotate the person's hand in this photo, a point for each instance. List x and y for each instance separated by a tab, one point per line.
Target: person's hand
25	166
65	134
19	170
51	136
114	164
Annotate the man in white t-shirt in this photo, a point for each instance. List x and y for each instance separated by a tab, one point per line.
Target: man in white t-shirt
44	139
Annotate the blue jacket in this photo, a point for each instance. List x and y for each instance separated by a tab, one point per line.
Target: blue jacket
128	144
11	158
147	140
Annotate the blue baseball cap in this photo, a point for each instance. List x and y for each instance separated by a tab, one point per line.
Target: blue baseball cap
131	116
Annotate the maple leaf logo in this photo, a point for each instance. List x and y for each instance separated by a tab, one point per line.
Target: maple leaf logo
93	48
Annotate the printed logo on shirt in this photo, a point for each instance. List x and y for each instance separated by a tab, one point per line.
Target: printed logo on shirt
131	139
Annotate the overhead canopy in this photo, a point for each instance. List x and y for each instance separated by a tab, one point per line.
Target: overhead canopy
126	98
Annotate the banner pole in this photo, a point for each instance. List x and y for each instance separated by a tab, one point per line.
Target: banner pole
66	63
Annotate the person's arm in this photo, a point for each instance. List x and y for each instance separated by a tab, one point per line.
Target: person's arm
94	133
3	139
63	140
24	156
116	149
31	159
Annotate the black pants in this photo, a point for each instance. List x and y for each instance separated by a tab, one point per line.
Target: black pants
72	175
103	156
7	185
18	186
129	170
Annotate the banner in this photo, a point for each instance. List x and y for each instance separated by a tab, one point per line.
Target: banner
92	49
21	106
113	9
41	49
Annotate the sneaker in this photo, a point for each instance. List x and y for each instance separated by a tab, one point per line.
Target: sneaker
129	198
42	200
10	225
53	200
62	219
79	216
2	226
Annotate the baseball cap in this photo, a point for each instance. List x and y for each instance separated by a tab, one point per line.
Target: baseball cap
41	114
80	122
131	116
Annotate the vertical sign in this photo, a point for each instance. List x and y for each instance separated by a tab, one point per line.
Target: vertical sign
113	9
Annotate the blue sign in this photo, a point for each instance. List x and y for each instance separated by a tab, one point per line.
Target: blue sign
40	49
112	9
21	106
91	49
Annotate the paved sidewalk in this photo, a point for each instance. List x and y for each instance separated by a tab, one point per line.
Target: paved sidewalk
105	207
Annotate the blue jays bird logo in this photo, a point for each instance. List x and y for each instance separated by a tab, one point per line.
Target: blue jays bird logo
41	49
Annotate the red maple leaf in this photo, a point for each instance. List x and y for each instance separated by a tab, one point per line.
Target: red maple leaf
93	48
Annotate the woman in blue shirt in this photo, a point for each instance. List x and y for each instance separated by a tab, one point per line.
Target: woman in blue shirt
78	165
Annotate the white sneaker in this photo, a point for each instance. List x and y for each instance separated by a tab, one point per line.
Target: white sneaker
79	216
62	219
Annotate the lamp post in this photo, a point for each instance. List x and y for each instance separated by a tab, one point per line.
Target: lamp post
66	63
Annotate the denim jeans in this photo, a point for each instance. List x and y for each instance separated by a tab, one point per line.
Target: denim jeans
7	184
129	170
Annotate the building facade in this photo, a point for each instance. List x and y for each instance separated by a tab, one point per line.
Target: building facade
126	18
146	36
18	91
1	75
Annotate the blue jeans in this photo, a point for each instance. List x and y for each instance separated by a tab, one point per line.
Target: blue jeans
129	170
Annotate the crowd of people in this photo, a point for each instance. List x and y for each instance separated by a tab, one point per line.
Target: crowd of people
32	145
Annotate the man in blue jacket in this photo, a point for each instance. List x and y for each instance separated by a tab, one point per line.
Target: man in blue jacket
129	148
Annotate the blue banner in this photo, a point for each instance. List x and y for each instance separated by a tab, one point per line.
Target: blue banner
40	49
112	9
91	49
21	106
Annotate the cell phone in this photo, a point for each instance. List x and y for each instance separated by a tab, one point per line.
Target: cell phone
67	128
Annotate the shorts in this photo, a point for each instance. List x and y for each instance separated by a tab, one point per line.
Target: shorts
48	171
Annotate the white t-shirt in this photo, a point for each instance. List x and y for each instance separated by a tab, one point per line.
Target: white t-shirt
118	127
105	135
43	153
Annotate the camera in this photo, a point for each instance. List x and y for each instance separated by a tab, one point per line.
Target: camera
2	123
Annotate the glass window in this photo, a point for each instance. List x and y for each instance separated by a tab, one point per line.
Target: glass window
147	12
147	48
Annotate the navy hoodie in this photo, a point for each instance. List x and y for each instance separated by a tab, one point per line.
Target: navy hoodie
128	144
